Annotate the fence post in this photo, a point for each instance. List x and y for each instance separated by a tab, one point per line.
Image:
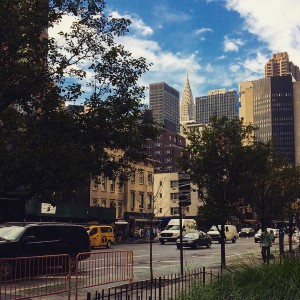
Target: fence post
159	288
203	277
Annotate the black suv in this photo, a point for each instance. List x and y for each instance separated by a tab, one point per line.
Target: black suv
41	239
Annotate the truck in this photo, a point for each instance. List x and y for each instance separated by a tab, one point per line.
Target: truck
172	231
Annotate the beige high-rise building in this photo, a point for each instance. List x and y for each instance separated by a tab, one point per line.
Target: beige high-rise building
280	65
246	100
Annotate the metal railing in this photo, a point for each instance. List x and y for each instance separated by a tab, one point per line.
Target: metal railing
103	268
36	276
166	287
41	276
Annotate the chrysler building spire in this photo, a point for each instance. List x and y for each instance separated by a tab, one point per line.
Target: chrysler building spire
187	107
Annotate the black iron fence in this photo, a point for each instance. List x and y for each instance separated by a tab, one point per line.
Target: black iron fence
162	288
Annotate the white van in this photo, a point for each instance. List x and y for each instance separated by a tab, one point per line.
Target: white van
230	233
172	231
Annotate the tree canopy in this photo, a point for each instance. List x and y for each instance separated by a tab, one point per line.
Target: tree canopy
44	146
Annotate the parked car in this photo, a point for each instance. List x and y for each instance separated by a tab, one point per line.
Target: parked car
195	240
41	239
246	232
258	234
101	235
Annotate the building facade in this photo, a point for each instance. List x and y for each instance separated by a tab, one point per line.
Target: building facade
165	151
218	102
280	65
272	102
164	103
166	204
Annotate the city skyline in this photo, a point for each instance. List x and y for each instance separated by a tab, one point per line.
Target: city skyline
219	43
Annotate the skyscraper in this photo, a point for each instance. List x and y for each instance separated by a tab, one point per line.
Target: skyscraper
187	107
164	102
272	103
280	65
218	102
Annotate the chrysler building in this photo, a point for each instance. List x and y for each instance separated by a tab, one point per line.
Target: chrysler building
187	107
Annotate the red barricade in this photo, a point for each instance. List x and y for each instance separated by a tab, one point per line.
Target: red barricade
36	276
103	268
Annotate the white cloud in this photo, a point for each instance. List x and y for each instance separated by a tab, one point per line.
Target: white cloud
209	68
275	22
234	67
137	25
203	30
232	44
222	57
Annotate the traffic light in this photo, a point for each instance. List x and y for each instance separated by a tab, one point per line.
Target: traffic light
184	186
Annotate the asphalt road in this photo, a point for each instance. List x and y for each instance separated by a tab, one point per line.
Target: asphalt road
166	258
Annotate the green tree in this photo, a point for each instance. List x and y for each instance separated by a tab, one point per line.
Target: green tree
216	160
47	150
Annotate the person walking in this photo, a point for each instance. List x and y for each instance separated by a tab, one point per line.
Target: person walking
265	244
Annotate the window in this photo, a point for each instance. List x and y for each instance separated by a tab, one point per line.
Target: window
141	177
149	204
112	186
150	178
119	211
95	185
173	183
174	196
132	177
120	187
158	152
160	210
132	199
95	201
103	202
141	200
174	210
112	203
103	183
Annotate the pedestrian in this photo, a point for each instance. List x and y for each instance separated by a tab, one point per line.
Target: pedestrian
265	244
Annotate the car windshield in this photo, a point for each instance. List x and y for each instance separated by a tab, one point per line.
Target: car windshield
11	233
173	227
192	235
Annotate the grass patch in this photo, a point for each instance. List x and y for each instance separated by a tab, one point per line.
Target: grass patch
276	281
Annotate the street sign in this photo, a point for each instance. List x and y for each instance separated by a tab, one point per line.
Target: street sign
184	186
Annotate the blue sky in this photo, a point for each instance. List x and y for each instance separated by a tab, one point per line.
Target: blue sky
218	42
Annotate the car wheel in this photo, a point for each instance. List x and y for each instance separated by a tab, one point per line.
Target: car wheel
234	240
162	242
6	271
108	244
197	246
208	245
178	246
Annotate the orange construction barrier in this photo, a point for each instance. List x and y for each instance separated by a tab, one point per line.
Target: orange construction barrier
103	268
36	276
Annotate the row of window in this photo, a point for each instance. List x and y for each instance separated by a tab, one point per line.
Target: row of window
110	185
142	203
